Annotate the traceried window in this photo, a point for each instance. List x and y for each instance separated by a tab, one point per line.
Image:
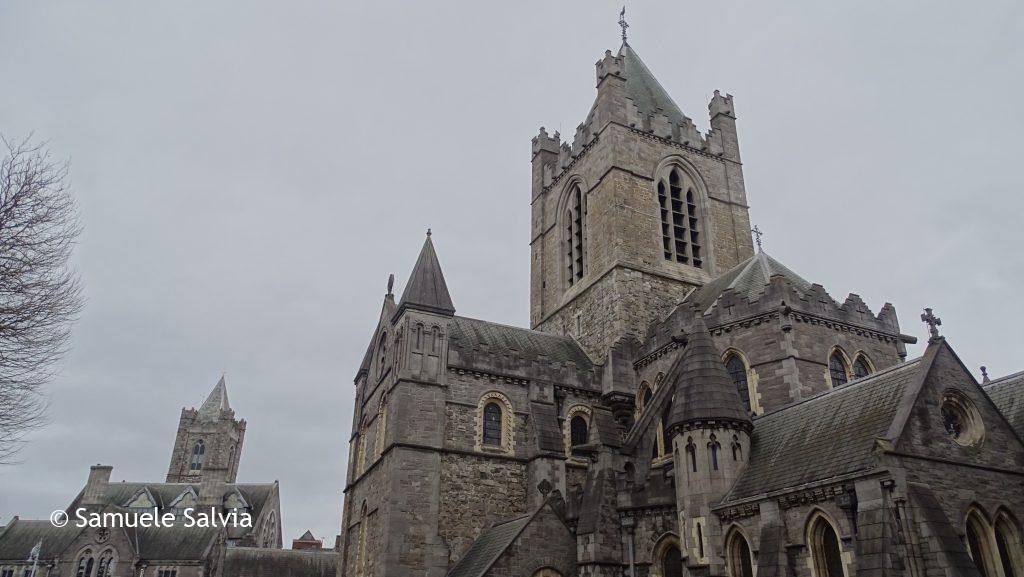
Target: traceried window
85	564
680	220
738	371
837	369
198	454
492	425
861	367
575	235
105	568
578	430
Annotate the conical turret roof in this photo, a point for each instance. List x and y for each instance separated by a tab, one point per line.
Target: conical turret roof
216	402
704	390
426	289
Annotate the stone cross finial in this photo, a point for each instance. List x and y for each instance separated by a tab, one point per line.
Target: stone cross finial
428	232
933	323
984	374
622	23
757	236
391	283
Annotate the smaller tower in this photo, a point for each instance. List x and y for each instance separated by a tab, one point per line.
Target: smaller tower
710	431
208	445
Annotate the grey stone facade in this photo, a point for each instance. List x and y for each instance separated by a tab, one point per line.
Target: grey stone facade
683	403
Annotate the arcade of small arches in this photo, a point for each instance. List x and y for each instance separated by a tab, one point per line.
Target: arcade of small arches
842	370
994	543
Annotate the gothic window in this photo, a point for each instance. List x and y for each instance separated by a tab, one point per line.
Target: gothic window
700	541
1009	546
680	220
691	454
435	340
547	572
861	367
492	425
837	370
575	235
825	550
738	371
672	563
382	423
737	449
578	430
666	440
738	556
647	396
198	453
105	568
85	564
713	447
361	550
382	355
978	544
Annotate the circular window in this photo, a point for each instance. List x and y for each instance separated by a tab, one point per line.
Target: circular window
961	418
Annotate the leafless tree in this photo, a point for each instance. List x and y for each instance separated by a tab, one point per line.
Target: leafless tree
40	295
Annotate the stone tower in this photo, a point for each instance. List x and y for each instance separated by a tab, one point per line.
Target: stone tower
637	211
208	445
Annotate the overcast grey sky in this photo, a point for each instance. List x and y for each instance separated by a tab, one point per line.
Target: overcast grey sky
250	172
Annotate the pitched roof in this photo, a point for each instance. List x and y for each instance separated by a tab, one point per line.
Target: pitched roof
177	542
426	288
469	335
20	536
253	562
748	279
307	536
644	89
216	402
798	444
1008	395
704	390
118	494
491	543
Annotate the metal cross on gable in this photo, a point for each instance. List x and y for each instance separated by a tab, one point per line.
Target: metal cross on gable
622	23
757	235
932	321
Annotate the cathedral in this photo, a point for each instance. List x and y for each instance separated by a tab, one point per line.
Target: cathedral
683	402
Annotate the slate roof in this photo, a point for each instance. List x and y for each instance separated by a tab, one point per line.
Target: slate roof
252	562
645	90
824	436
747	279
307	536
471	335
704	390
118	494
216	402
177	543
491	543
544	421
1008	395
426	288
20	536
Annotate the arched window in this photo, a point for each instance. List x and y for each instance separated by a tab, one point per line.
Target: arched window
1009	546
435	340
861	367
382	423
825	550
85	564
547	572
700	541
382	355
738	556
578	430
978	544
691	454
647	396
837	370
737	449
575	235
492	425
738	371
418	337
105	568
198	452
713	447
666	440
680	221
361	550
672	563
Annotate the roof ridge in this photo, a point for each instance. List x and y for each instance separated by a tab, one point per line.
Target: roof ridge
847	386
1002	380
529	330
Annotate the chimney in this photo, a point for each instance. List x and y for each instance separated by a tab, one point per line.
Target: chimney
96	486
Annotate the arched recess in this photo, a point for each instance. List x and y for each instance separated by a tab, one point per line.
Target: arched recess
839	372
576	428
495	403
691	178
744	378
644	394
738	556
667	557
571	218
980	545
826	552
1009	544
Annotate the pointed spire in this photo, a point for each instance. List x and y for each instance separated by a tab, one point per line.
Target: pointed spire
704	390
649	96
426	289
216	402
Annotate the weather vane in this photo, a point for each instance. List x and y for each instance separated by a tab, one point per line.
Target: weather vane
757	235
623	24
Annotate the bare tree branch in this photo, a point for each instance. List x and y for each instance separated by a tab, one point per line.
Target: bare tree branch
40	296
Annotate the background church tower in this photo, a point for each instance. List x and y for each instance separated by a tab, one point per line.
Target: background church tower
635	212
208	445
